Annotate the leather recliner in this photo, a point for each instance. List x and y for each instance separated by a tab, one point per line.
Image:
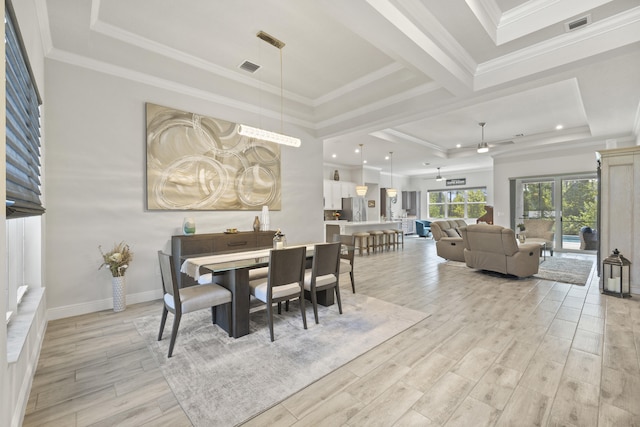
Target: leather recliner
494	248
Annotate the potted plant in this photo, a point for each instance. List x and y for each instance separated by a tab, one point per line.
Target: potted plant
117	261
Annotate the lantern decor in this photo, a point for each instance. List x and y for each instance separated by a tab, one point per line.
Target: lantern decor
616	275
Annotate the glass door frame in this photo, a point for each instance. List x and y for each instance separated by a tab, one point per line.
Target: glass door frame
516	201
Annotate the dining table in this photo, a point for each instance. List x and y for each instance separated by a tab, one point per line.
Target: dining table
231	270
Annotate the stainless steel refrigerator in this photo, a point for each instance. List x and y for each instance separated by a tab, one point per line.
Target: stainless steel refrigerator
354	209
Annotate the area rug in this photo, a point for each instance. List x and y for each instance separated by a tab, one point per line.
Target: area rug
557	269
222	381
565	270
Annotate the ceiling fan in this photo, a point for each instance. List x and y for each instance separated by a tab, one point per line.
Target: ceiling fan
483	146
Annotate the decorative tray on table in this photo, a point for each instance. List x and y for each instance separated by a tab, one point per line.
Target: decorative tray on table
231	231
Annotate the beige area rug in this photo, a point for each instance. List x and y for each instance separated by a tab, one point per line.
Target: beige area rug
565	270
221	381
556	269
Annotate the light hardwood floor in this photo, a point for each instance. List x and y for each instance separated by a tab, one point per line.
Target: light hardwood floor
494	351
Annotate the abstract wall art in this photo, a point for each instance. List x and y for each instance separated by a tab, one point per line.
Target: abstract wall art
196	162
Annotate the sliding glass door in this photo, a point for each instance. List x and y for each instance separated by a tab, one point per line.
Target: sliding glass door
579	210
570	202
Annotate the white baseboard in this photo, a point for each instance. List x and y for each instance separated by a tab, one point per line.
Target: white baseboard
99	305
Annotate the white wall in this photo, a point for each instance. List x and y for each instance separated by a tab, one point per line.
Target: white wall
96	187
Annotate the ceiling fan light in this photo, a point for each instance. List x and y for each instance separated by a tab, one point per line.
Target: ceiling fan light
483	147
439	177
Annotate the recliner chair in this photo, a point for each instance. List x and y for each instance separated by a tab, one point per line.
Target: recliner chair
448	241
494	248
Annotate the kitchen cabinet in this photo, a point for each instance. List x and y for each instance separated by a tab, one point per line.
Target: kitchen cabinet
335	191
409	225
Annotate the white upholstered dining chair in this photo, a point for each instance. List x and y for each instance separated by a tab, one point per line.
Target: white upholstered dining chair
189	299
324	273
284	281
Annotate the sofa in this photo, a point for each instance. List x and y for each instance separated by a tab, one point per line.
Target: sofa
448	240
494	248
423	227
540	230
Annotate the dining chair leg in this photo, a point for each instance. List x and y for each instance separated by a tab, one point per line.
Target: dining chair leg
270	320
174	333
353	282
162	322
213	314
280	308
338	298
302	310
314	302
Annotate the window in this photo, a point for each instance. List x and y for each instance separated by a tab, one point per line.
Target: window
23	205
468	203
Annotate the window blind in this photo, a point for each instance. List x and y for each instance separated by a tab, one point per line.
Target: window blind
22	128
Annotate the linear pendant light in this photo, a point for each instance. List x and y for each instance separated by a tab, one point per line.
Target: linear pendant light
265	135
391	192
361	190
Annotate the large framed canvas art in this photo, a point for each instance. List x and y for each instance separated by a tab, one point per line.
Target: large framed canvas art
196	162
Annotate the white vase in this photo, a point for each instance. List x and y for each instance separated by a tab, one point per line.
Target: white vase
119	286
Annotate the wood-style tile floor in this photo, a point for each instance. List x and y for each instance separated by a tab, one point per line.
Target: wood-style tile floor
494	351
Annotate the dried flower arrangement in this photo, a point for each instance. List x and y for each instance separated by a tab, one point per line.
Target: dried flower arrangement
117	259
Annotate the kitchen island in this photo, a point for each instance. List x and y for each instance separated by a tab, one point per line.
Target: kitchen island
348	227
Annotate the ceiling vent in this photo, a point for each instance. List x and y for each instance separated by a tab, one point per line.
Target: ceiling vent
249	66
577	23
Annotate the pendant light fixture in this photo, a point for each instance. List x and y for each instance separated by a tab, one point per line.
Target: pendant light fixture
265	135
391	192
439	177
483	147
361	190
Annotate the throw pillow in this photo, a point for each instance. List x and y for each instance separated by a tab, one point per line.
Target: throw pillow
451	232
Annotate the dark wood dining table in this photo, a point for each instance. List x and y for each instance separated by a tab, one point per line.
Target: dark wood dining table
231	270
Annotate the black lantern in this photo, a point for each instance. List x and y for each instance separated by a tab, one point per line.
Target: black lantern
616	275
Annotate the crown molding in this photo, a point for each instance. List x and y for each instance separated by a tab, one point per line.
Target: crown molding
605	35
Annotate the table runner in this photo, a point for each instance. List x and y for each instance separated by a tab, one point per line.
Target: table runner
191	266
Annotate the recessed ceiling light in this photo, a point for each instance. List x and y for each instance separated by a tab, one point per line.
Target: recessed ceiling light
559	127
357	150
386	157
334	155
458	145
364	161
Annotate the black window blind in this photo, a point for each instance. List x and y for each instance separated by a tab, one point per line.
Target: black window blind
22	128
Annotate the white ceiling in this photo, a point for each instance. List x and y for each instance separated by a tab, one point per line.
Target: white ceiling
410	76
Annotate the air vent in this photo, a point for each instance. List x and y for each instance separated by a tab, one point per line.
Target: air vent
249	66
577	23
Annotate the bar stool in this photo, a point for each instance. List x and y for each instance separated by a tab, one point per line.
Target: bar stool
362	241
377	240
390	239
399	238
